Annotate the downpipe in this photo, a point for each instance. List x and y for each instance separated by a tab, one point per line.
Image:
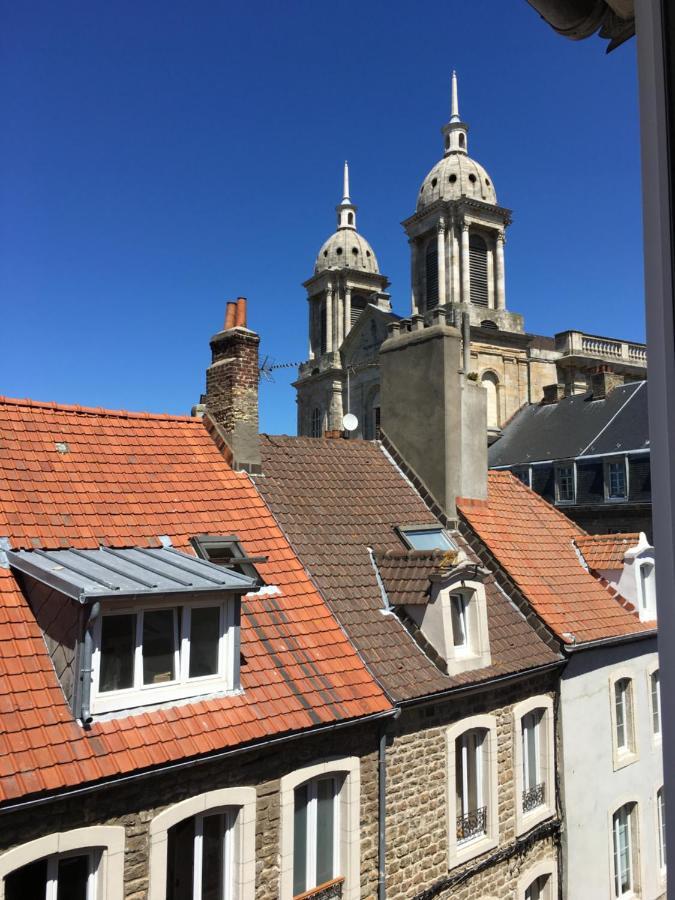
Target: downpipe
88	653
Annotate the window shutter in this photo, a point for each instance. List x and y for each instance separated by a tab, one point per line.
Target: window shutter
478	270
432	275
640	479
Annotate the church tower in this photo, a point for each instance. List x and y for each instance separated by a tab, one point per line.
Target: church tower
457	236
346	282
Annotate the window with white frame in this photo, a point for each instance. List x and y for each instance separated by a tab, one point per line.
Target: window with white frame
661	825
624	846
534	762
202	857
316	833
534	787
426	538
81	864
148	654
459	615
655	702
522	473
470	785
564	483
616	483
646	589
539	889
68	875
623	715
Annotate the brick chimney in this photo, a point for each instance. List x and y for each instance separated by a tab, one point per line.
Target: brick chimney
231	399
553	393
603	381
433	417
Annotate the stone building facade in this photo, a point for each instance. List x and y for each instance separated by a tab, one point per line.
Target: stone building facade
457	238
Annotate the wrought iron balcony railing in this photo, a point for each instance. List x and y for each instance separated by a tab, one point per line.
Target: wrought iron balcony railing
471	825
330	890
534	797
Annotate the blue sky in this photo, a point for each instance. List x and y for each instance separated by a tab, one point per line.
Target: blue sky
160	158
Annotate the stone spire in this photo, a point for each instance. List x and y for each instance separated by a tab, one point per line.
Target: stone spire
455	132
346	211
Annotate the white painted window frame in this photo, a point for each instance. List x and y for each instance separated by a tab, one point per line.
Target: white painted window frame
654	708
182	687
347	771
546	867
104	844
461	852
607	465
546	756
312	823
475	652
633	849
556	477
241	802
459	600
646	610
623	755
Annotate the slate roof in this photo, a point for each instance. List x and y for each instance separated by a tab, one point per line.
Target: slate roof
575	426
535	545
335	499
606	551
79	477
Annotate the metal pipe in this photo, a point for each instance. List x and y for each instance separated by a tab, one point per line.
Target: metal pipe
85	712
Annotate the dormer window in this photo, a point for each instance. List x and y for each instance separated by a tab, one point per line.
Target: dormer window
460	622
227	551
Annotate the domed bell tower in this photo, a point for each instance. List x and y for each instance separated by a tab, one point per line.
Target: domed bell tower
346	281
457	237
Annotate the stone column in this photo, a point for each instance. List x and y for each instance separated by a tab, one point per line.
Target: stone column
440	236
466	272
499	272
414	296
348	311
329	319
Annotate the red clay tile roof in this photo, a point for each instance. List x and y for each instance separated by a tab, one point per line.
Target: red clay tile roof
606	551
405	574
335	499
534	543
125	479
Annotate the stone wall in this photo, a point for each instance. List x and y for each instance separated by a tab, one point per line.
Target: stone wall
417	786
135	804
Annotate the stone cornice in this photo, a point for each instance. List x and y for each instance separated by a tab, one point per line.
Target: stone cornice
456	208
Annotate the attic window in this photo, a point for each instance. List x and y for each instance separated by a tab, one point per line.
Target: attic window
227	552
426	539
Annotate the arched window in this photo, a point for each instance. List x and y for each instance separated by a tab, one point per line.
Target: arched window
490	382
478	270
431	274
315	423
350	218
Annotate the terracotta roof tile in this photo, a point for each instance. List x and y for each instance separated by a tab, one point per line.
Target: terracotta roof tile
351	496
606	551
535	544
125	479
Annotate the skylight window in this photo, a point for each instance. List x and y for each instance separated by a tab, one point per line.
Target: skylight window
226	551
426	539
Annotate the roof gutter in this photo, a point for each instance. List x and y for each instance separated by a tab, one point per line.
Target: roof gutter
184	764
615	640
582	458
479	686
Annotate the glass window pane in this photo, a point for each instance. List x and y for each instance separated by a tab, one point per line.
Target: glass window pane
72	878
179	860
204	640
656	704
212	857
620	696
118	640
325	830
473	748
300	839
158	646
458	616
27	882
428	539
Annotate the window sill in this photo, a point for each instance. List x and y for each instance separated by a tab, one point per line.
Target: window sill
115	701
526	821
623	758
461	853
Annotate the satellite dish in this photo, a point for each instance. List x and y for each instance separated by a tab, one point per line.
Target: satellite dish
350	422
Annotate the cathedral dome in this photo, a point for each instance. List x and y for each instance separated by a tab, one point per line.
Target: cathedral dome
346	249
455	176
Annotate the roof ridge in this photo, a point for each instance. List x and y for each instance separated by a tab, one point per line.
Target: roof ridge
91	410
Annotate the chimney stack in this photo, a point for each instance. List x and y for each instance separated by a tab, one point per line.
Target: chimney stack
603	381
553	393
231	399
432	414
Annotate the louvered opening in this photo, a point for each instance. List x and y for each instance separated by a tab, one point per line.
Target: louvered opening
357	307
322	327
432	275
478	270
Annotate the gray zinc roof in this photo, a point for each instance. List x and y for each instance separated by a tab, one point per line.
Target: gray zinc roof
137	571
575	426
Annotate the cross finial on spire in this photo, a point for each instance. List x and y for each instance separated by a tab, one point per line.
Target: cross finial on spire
345	191
454	108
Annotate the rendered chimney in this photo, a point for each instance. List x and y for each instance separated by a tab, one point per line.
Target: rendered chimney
603	381
231	399
432	415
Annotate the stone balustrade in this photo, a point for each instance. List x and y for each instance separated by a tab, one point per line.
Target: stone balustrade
576	343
